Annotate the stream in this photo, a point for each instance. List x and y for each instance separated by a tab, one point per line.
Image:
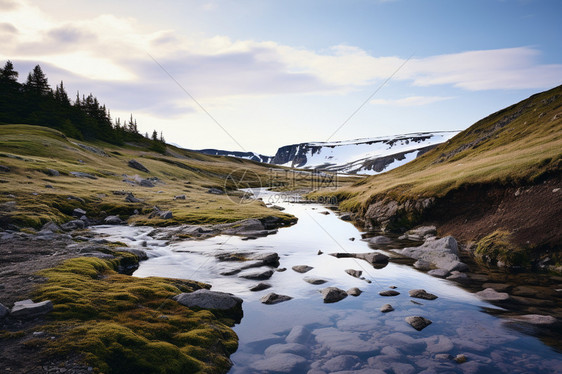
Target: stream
305	335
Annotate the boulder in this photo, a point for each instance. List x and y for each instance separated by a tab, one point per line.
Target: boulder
76	224
354	291
422	265
346	217
3	311
354	273
166	215
259	275
137	165
79	174
273	298
333	294
380	240
146	183
422	294
302	268
439	273
78	212
260	287
417	322
112	220
386	308
207	299
389	293
51	226
315	281
457	276
440	253
29	309
130	198
489	294
52	172
373	258
277	207
423	231
267	259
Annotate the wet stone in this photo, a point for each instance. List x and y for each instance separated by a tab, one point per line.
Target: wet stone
386	308
260	287
422	294
389	293
333	294
354	291
354	273
302	268
417	322
315	281
489	294
273	298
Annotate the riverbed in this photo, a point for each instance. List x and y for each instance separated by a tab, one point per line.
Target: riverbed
306	335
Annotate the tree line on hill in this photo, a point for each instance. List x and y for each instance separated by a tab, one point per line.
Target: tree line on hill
35	103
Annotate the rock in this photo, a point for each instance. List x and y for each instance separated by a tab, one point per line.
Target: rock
375	259
319	252
443	356
207	299
137	165
423	231
29	309
78	212
354	273
439	273
52	172
439	344
422	294
179	197
352	239
260	287
440	253
146	183
280	363
260	275
273	298
417	322
76	224
354	291
458	266
460	358
380	240
298	334
130	198
333	294
112	220
4	169
489	294
500	287
79	174
302	268
295	348
267	259
3	311
457	276
536	319
215	191
389	293
165	215
422	265
51	226
340	363
277	207
49	186
345	217
386	308
315	281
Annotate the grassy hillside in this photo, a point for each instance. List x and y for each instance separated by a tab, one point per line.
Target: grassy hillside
516	145
31	195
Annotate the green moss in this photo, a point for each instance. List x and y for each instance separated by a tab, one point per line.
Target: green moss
123	324
496	249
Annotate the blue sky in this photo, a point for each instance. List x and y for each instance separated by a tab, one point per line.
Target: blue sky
279	72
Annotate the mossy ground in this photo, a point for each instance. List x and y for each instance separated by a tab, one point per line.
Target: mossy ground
123	324
498	249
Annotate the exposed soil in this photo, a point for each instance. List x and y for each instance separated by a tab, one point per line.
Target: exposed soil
530	212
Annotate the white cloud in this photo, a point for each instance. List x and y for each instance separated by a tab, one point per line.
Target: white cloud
411	101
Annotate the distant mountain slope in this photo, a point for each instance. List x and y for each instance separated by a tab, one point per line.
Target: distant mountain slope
245	155
361	156
501	175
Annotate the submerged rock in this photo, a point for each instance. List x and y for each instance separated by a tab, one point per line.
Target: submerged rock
273	298
536	319
280	363
422	294
417	322
28	309
333	294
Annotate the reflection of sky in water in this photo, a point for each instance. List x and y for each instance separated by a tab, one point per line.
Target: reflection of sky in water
355	322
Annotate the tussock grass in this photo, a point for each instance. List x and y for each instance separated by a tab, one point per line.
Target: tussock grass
519	144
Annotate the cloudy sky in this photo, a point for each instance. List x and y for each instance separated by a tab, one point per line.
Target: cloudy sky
259	74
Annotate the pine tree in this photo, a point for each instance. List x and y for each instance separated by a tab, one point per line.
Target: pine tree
37	82
8	74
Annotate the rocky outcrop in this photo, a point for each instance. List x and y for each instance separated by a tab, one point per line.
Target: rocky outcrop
440	253
29	309
138	166
389	215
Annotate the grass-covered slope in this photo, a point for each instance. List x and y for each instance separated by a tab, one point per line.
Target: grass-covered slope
518	144
30	195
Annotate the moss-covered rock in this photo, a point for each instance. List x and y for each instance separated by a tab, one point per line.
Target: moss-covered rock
496	249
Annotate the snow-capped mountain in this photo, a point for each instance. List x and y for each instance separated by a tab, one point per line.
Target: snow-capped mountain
358	156
247	155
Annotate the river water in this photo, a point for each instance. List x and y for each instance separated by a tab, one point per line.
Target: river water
305	335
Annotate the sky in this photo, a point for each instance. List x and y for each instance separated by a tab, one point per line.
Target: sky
255	75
